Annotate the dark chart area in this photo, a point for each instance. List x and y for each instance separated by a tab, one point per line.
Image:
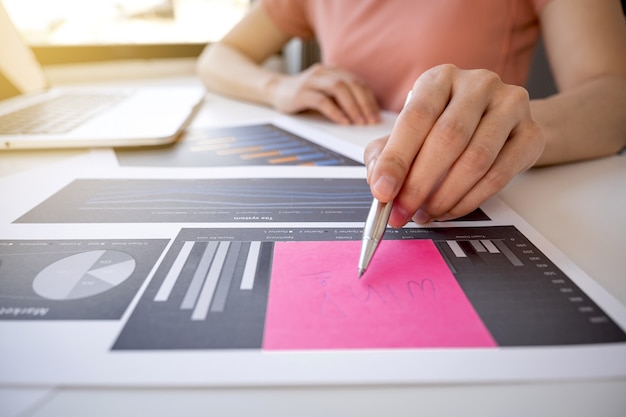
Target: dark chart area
72	279
264	145
209	200
211	290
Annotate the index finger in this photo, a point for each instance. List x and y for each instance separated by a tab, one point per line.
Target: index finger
430	95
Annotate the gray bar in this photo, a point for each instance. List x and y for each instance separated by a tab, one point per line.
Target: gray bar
198	277
507	252
490	246
478	247
247	281
170	279
456	249
228	273
206	294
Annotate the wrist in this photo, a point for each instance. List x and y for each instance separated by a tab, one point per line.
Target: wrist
270	89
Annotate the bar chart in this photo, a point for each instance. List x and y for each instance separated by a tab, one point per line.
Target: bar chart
260	145
214	286
215	271
211	294
482	250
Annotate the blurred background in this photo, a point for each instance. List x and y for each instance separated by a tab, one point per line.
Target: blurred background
79	31
62	31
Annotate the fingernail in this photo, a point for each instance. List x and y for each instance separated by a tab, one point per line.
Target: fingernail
385	186
420	217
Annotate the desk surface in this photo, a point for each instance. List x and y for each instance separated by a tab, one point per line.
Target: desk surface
578	207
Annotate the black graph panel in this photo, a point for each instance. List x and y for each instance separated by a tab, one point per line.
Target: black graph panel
73	279
209	200
206	294
211	291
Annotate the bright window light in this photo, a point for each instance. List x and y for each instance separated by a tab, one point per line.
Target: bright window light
111	22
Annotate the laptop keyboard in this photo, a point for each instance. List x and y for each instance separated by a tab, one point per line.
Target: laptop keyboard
57	115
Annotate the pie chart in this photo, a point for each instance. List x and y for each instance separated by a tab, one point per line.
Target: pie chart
84	274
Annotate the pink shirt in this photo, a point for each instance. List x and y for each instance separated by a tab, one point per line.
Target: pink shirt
389	43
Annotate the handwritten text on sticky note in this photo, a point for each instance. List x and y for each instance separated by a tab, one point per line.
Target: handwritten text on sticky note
408	298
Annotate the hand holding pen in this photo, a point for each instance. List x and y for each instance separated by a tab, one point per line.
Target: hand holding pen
460	138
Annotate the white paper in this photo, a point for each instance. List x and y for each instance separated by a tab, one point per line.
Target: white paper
79	352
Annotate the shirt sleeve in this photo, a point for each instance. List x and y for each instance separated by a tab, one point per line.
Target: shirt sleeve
291	16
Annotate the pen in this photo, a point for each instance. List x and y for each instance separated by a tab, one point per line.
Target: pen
375	226
373	232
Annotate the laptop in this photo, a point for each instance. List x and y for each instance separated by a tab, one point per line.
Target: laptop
35	116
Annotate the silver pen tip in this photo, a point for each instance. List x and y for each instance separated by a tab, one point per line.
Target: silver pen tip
361	272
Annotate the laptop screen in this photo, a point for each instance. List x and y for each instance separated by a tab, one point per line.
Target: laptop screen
19	70
7	88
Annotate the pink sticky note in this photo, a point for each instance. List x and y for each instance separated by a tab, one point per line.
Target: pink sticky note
408	298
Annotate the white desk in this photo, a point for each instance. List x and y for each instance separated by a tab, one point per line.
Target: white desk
578	207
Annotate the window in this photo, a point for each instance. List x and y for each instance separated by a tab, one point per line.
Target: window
110	29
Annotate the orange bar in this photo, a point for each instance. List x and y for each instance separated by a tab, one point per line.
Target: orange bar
233	151
259	155
283	160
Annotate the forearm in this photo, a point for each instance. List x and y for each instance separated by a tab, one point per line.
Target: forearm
585	122
226	71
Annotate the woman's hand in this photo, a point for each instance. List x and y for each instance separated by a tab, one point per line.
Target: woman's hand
460	139
337	94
